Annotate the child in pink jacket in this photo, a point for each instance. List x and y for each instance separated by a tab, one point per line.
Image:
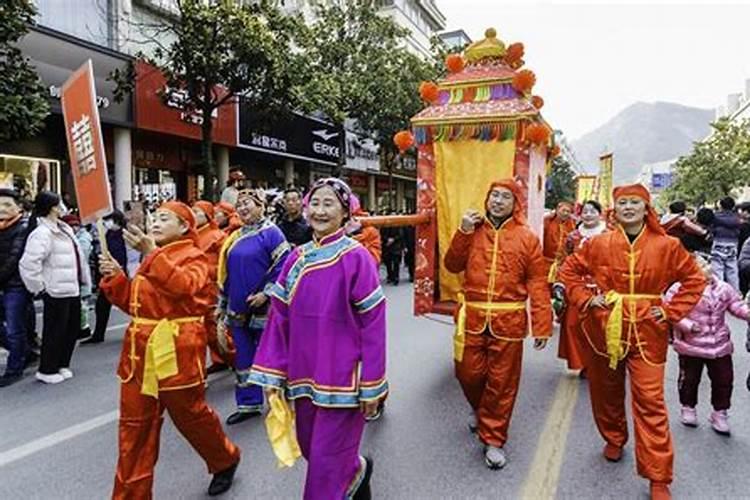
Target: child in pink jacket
704	338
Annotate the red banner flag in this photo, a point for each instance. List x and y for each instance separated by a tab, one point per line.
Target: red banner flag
86	145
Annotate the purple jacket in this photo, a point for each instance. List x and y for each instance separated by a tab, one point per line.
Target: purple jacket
714	339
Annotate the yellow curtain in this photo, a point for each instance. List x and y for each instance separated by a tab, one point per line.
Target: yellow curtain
465	170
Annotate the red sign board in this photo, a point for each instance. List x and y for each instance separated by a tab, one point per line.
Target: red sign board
154	112
88	163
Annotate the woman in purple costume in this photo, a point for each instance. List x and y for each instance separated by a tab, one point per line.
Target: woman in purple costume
324	347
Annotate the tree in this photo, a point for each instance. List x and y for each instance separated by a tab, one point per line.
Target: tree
362	70
715	167
221	51
23	105
561	183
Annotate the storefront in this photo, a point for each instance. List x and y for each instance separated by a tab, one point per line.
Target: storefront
166	146
297	150
362	163
55	56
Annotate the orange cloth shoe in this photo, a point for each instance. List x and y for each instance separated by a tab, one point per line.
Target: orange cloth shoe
660	491
612	453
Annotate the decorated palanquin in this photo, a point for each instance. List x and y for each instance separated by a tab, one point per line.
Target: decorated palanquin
481	124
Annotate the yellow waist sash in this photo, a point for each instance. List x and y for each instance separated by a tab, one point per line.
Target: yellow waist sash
280	430
613	334
161	355
459	339
552	275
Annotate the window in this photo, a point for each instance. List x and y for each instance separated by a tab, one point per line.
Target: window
66	16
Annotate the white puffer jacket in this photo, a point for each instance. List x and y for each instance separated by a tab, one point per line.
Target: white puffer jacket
49	261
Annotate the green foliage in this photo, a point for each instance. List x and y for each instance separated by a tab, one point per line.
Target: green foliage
715	167
248	50
23	104
362	70
561	183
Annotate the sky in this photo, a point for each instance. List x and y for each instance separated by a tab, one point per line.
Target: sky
594	59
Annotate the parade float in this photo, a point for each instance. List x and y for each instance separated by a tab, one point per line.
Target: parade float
481	123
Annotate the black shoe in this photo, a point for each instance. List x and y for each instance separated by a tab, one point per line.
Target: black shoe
84	333
93	340
222	481
240	416
216	368
363	492
7	379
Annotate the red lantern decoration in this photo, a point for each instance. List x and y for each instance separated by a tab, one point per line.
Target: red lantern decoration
403	140
455	63
537	102
524	81
537	134
429	92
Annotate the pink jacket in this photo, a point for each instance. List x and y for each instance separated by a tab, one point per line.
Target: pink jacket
714	339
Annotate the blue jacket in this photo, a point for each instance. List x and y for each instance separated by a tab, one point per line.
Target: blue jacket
726	227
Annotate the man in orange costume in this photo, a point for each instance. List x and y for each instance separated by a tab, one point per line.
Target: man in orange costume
226	217
503	264
557	227
367	236
627	327
210	239
163	356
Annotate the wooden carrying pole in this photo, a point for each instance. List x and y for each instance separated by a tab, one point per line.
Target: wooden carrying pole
394	220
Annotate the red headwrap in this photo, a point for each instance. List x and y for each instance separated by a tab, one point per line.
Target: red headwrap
225	207
640	191
185	213
511	186
565	204
208	208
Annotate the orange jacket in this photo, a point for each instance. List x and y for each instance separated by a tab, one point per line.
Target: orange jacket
210	240
555	234
503	265
647	267
171	283
369	238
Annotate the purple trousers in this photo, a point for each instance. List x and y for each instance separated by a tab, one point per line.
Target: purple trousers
329	439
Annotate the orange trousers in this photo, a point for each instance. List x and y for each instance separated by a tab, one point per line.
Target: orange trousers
141	418
569	347
489	374
653	442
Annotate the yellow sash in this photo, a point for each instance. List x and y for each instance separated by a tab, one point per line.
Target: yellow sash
613	334
552	275
280	430
459	339
161	355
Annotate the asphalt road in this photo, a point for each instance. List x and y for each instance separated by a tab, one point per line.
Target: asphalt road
60	442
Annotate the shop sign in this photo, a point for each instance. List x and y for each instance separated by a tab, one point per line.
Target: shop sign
358	181
56	56
299	137
160	108
362	154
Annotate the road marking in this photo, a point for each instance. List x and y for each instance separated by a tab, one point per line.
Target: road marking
56	438
23	451
115	327
544	473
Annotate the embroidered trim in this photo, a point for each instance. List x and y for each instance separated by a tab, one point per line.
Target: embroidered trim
371	301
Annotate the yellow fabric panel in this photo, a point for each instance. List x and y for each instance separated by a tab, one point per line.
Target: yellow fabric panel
465	170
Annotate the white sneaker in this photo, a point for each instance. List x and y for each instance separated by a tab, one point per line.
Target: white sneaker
66	373
54	378
495	457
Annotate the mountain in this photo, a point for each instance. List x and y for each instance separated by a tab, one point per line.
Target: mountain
643	133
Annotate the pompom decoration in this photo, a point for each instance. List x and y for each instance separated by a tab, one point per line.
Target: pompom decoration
537	102
429	92
454	63
490	33
524	81
555	151
514	55
403	140
537	134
